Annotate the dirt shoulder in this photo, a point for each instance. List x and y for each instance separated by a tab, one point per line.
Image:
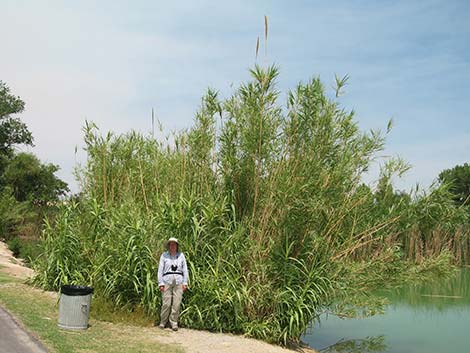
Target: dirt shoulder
190	341
11	265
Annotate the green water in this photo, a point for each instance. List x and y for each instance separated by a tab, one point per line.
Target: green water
429	318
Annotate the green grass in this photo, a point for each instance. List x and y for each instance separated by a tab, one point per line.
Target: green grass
7	279
38	311
103	310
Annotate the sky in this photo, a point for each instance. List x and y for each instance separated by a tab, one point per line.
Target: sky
111	62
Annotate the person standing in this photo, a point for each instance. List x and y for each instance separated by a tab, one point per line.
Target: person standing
172	281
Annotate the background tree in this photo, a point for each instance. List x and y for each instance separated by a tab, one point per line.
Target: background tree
12	130
26	184
459	178
32	180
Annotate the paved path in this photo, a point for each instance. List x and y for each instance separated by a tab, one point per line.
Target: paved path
13	339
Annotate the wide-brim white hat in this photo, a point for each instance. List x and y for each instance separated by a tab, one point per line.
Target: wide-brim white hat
172	240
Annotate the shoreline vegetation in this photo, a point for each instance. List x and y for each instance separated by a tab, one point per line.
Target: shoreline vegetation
271	209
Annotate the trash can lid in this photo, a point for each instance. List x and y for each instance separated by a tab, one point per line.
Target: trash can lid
76	290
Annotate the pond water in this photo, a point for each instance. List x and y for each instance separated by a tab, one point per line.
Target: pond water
429	318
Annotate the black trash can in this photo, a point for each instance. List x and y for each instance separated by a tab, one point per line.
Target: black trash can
74	307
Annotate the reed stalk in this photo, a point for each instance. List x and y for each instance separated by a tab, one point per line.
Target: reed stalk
269	207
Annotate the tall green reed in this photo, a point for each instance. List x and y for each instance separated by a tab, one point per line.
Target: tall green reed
268	203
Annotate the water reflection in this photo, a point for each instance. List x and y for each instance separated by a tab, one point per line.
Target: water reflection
420	318
365	345
440	295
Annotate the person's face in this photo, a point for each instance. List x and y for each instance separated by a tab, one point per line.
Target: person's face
173	247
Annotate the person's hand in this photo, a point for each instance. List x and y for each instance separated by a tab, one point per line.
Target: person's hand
162	289
185	287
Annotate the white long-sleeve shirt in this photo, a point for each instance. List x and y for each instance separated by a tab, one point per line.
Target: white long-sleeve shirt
172	269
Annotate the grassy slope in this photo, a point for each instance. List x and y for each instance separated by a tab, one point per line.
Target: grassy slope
38	311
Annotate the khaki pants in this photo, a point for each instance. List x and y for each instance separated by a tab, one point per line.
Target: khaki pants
172	296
